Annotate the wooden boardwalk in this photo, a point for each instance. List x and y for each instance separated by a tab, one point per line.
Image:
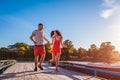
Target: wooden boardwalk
24	71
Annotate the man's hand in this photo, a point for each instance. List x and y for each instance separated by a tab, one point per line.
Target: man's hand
34	42
48	42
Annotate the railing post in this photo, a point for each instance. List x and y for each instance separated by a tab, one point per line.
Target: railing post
3	70
95	73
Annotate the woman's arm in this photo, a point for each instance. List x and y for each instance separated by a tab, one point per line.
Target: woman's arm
52	41
62	43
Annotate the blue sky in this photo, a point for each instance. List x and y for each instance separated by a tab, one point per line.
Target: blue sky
84	22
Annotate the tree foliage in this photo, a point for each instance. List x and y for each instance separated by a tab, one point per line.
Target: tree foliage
105	53
67	52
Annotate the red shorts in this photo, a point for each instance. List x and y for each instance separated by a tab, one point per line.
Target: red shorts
39	50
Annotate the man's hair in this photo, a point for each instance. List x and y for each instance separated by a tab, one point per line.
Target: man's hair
40	24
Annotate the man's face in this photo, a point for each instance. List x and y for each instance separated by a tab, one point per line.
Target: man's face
40	27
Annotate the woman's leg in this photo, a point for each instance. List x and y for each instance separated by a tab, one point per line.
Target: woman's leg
53	58
57	58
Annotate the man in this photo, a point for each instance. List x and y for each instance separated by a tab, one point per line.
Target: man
37	38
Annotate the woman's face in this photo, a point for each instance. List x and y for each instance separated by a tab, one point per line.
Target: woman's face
55	34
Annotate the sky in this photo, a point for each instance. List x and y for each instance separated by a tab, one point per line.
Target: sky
84	22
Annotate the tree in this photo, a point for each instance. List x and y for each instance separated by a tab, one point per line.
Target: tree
21	47
22	50
70	46
5	53
22	44
29	53
107	51
48	51
93	51
67	52
82	52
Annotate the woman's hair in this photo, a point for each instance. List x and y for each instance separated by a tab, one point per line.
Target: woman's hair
58	33
52	33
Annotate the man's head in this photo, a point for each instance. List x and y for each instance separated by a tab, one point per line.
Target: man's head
40	26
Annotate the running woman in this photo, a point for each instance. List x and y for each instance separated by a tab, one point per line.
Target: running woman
56	50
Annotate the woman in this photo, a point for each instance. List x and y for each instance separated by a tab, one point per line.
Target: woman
56	50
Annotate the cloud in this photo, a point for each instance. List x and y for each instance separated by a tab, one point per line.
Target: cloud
111	6
108	3
107	13
111	15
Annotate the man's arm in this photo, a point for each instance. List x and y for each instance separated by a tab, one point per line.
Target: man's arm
46	39
31	38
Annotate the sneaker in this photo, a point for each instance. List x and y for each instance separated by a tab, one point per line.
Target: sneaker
35	69
40	67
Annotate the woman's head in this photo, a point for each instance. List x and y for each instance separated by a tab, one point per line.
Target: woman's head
52	33
56	33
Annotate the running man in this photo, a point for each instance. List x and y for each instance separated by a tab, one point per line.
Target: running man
38	38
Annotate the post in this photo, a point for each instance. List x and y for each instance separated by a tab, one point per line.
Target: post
95	73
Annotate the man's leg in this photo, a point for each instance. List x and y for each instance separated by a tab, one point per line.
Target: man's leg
42	58
36	62
43	53
35	57
41	61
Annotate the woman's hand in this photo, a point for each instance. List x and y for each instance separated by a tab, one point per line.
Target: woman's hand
50	43
64	46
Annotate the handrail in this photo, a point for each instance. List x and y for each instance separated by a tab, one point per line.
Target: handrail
95	70
5	64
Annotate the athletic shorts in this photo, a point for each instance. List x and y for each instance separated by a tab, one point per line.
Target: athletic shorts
39	50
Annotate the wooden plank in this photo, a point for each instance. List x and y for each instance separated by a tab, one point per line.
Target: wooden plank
9	73
25	71
29	72
19	72
40	75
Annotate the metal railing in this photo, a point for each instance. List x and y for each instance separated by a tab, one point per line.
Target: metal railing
94	70
5	64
